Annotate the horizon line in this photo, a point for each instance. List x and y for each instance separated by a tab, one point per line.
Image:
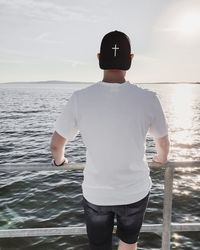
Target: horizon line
90	82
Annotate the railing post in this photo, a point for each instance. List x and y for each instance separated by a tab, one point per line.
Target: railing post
167	207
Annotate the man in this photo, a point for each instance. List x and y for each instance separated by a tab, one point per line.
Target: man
113	117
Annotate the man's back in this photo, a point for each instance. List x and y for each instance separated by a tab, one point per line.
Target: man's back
113	120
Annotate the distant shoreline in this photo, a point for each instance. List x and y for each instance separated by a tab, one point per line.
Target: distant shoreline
73	82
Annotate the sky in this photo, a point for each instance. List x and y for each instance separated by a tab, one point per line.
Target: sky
59	39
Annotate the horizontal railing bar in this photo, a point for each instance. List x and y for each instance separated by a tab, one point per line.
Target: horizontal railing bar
185	227
40	167
80	166
38	232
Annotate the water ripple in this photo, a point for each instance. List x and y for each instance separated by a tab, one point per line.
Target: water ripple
49	199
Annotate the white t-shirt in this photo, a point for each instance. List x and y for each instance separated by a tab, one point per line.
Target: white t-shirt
113	120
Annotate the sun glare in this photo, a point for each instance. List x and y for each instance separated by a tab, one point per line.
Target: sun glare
188	23
182	115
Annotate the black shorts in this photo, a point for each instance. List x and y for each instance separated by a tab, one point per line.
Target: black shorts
100	222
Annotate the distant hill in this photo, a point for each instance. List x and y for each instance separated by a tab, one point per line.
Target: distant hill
72	82
48	82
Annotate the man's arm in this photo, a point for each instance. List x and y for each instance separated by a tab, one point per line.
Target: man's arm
162	148
57	148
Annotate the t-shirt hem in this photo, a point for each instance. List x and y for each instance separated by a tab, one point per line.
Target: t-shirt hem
122	198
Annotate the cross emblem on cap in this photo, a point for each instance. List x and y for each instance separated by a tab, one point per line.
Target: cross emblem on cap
115	48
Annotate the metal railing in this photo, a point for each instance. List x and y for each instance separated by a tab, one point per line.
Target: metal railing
165	229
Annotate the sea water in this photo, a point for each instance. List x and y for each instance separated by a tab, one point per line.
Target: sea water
53	199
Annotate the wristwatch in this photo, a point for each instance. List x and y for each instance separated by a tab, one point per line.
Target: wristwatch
62	164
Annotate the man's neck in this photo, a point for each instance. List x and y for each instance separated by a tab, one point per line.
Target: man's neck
114	76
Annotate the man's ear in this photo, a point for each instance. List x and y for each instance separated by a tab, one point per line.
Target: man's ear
98	55
132	55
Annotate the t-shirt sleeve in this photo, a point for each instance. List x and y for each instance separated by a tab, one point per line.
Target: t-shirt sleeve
158	127
66	123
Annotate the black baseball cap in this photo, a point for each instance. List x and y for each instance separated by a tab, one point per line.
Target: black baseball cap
115	51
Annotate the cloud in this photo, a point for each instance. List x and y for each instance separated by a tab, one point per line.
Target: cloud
10	56
74	63
11	52
46	38
47	11
11	61
144	58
